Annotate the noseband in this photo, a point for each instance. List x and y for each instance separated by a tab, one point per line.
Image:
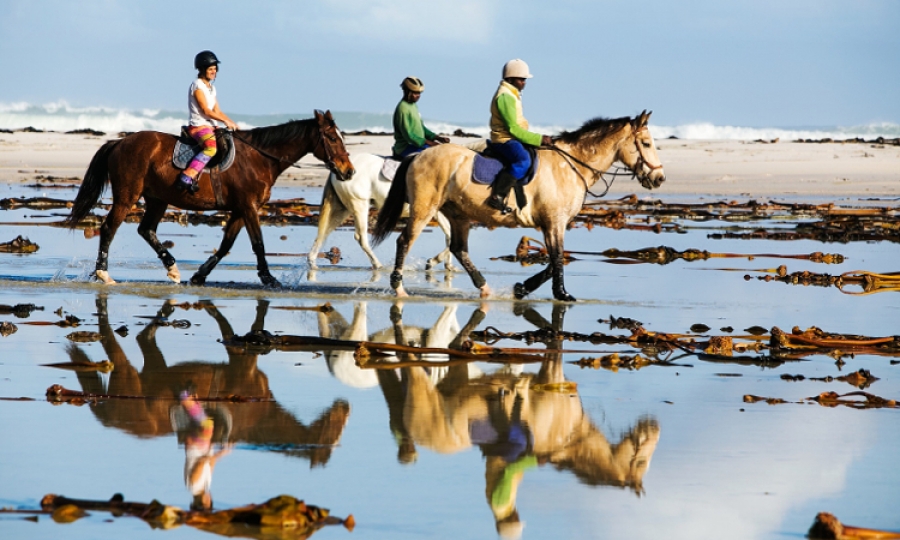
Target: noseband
641	160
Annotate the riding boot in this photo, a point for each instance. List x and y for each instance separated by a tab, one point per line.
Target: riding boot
500	191
186	183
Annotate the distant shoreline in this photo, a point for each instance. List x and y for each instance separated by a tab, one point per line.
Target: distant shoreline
694	168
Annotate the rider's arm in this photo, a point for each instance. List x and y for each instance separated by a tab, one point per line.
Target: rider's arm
215	113
507	106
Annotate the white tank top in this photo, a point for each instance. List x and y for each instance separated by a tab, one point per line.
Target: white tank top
197	118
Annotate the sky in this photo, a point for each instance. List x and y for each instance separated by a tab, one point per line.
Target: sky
760	63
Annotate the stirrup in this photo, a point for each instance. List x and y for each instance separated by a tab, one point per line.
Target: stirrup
190	187
498	203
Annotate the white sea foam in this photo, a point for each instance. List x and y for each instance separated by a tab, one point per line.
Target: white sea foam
61	116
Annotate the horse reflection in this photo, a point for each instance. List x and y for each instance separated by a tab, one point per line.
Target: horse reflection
518	421
263	424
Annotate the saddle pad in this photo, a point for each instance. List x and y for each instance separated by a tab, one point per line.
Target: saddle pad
389	168
186	148
485	169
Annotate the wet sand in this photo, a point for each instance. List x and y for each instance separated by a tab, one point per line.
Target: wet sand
693	167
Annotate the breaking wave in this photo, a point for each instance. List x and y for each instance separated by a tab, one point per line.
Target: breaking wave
61	116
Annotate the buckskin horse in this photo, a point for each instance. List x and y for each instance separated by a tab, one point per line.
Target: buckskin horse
440	178
140	165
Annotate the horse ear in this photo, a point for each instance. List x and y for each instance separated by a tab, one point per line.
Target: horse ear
645	117
319	115
328	115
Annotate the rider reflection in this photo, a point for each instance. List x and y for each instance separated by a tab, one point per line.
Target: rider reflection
199	455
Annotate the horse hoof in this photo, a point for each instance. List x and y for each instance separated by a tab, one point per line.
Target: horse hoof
519	291
103	276
198	280
485	291
401	292
174	274
270	282
564	297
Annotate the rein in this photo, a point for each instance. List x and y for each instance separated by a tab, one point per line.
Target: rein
330	159
641	162
569	158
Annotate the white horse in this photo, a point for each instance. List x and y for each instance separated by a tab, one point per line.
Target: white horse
341	198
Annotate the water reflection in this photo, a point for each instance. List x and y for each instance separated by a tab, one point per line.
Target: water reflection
207	429
518	420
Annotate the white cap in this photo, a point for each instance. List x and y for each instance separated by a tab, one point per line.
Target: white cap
516	68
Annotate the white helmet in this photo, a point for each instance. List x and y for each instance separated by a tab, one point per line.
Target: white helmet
516	68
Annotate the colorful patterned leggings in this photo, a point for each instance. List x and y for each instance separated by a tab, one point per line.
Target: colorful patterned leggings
206	136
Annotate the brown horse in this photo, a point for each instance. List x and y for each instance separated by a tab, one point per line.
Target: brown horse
140	165
440	179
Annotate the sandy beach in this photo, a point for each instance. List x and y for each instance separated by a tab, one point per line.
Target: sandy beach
693	167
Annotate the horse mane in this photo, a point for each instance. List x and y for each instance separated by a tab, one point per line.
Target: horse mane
268	136
593	130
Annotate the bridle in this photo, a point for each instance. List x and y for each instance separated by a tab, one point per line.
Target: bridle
641	160
639	165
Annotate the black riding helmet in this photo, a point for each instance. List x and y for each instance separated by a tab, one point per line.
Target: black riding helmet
205	59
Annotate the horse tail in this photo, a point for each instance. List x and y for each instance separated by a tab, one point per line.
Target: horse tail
95	180
390	213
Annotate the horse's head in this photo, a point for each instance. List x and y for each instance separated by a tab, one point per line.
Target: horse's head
331	148
638	153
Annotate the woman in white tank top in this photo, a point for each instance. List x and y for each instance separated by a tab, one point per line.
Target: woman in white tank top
204	110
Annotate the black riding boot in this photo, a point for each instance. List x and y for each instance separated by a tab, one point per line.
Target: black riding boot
500	191
188	184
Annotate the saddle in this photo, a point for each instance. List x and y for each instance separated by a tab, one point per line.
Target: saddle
389	168
489	163
186	148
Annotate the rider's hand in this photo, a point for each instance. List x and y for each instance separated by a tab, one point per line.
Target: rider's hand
546	140
442	139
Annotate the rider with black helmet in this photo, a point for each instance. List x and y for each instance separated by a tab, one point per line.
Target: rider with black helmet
204	110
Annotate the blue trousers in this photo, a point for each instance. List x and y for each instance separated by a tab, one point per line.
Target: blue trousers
514	153
410	150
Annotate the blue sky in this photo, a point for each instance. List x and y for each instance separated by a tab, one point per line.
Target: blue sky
785	63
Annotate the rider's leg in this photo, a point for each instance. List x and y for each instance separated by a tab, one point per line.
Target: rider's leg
519	161
206	136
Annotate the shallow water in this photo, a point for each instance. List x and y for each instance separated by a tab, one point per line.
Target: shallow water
460	451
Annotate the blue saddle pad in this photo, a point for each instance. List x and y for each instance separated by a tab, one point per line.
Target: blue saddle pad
485	169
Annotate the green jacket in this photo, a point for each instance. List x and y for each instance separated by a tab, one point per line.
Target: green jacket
408	128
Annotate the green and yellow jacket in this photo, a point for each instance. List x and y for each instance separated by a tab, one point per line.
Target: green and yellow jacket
507	120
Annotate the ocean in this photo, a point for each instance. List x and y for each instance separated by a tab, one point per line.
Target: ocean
62	117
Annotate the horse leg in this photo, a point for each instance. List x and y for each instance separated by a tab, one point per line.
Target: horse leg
408	235
360	209
232	228
108	229
251	222
154	211
459	245
521	290
444	256
332	213
553	238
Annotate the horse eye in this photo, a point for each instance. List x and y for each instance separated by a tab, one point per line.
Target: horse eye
646	144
